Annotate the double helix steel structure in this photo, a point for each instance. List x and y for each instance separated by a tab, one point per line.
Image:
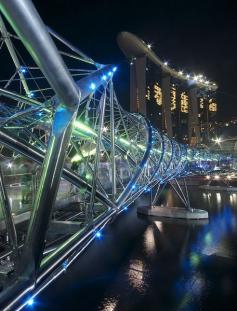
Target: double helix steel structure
61	121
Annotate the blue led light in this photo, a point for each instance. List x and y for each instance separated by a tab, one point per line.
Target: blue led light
110	73
98	234
114	69
92	86
65	265
23	70
31	94
30	302
125	208
104	77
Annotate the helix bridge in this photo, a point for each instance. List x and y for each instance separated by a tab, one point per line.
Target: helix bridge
64	137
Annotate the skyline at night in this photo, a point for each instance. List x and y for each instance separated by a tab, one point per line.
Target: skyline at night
197	38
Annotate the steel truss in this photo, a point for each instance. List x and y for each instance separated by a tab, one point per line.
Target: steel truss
61	120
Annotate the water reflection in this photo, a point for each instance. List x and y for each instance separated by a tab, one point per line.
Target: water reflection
136	275
109	304
160	264
149	241
209	242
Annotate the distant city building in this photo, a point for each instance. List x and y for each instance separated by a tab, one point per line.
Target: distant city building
179	107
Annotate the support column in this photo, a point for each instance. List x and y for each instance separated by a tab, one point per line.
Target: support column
166	107
193	122
138	85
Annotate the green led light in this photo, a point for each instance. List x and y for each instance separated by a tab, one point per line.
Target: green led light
84	128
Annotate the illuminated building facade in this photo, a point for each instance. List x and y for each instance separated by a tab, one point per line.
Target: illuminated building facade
179	108
169	98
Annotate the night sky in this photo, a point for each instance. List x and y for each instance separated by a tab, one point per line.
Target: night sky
196	36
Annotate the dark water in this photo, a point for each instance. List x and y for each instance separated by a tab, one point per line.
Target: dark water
156	264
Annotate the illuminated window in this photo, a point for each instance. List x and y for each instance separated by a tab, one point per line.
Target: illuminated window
148	93
212	105
173	98
157	94
201	103
184	102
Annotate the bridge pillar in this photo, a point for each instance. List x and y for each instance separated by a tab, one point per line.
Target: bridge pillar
138	85
166	106
193	122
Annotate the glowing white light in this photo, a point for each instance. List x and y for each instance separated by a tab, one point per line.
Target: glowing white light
195	78
9	165
98	234
166	63
104	77
217	177
92	86
30	302
208	177
105	129
149	46
218	140
31	94
114	69
188	76
23	70
181	72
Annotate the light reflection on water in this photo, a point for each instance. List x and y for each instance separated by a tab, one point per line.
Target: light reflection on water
136	275
178	250
151	264
109	304
149	241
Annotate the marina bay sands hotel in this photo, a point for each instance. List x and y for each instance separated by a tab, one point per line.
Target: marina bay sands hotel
180	104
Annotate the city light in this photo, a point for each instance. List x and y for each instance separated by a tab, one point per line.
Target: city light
30	302
98	234
105	129
181	72
23	70
65	265
217	140
208	177
92	86
149	46
166	63
31	94
9	165
217	177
